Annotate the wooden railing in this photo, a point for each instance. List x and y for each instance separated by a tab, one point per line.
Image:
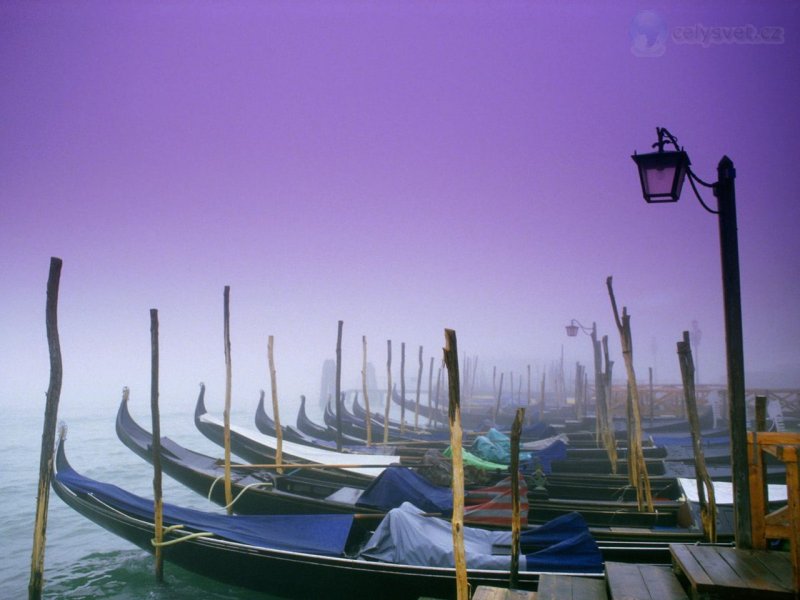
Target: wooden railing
668	399
783	523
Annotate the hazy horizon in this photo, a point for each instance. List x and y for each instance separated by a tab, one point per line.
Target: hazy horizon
404	167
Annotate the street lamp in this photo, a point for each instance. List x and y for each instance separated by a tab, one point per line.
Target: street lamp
574	326
661	174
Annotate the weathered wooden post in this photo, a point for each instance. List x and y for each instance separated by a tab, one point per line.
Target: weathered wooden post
499	395
637	464
35	583
438	386
430	393
541	400
607	431
368	418
403	387
708	510
419	389
650	378
227	413
454	414
528	403
339	387
388	391
516	433
158	503
472	379
273	378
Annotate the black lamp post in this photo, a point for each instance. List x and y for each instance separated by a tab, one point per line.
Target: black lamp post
572	331
575	326
662	174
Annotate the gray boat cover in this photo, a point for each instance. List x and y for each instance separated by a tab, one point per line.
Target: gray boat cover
407	537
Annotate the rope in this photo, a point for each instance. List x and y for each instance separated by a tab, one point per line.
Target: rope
186	538
239	495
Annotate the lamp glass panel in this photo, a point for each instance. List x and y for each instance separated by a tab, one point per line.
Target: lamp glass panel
659	181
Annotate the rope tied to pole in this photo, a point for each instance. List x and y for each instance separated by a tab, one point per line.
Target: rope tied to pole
267	484
185	538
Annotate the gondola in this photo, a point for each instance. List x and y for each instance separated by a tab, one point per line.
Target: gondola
598	513
327	556
263	449
355	427
314	491
266	425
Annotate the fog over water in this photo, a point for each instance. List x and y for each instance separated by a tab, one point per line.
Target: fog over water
402	167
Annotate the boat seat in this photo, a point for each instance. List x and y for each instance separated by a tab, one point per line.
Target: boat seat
346	495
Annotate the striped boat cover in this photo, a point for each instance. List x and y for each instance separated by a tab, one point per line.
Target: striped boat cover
493	505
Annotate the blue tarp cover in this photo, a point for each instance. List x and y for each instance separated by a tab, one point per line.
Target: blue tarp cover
407	537
485	448
317	534
397	485
496	447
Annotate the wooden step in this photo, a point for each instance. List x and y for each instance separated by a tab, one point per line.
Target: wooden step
725	572
642	582
485	592
570	587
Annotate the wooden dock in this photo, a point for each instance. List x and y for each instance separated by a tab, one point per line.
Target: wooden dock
699	572
705	571
723	572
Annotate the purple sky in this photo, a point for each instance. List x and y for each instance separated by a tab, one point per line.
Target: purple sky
401	166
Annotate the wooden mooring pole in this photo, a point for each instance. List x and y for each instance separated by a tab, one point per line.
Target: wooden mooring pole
273	378
403	387
516	434
339	387
158	504
368	418
388	392
227	413
419	389
454	413
35	582
708	508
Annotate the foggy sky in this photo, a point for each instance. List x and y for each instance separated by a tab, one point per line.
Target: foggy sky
401	166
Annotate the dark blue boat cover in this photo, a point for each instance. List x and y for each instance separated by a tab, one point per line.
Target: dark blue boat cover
405	536
685	439
537	431
317	534
545	457
397	485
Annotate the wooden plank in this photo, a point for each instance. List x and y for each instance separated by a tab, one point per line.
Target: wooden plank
643	582
484	592
757	574
571	587
684	560
661	582
778	564
625	581
722	572
718	570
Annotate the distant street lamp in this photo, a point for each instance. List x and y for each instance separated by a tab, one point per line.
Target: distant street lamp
661	174
574	326
572	331
697	335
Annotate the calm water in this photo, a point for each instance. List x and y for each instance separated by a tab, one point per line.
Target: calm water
82	560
